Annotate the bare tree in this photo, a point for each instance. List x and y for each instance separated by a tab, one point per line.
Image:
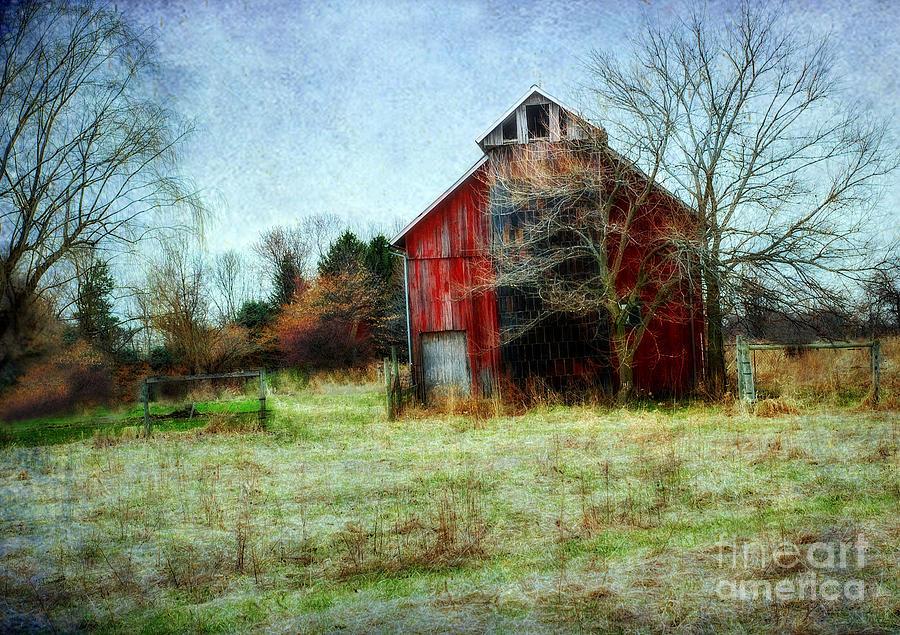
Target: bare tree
230	284
881	301
179	297
588	235
289	253
87	160
178	303
284	252
745	122
139	311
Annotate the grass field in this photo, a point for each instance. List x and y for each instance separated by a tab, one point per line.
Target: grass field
67	428
559	519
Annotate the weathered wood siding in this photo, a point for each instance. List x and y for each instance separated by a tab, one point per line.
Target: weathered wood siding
669	357
571	131
448	267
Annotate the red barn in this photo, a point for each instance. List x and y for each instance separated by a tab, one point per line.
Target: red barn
455	320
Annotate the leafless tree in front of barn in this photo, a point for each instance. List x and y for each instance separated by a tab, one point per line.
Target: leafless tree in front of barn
592	237
746	123
87	160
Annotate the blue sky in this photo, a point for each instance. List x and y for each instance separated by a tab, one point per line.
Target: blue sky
369	110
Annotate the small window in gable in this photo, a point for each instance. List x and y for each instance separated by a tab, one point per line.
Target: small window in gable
510	132
538	117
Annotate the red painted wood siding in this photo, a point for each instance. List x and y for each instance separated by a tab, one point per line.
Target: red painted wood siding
447	259
448	262
668	359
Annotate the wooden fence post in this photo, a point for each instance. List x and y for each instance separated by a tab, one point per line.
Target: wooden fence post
876	369
145	397
387	389
745	380
395	380
262	396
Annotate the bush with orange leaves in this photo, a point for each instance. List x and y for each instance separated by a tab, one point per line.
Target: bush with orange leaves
330	324
74	376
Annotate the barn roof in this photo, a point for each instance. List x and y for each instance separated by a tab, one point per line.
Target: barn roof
399	237
531	91
534	90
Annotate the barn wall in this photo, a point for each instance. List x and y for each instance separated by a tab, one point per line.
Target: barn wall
566	352
447	260
668	359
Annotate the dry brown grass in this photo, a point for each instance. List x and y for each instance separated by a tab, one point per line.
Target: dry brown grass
449	531
775	407
342	380
474	410
108	437
230	423
562	519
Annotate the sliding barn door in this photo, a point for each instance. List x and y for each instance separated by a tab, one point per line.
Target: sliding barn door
445	363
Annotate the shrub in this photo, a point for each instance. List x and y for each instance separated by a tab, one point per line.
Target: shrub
128	357
161	358
228	348
331	324
76	377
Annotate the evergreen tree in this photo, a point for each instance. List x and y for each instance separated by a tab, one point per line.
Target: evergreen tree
378	258
347	253
254	315
93	308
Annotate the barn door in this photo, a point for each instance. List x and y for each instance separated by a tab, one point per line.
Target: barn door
445	363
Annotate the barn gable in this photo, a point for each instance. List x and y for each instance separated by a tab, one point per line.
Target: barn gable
536	116
453	312
400	239
456	316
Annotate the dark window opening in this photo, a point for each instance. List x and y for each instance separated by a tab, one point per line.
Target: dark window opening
635	314
538	117
510	133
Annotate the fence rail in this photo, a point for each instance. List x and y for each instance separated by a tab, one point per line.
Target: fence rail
165	379
745	375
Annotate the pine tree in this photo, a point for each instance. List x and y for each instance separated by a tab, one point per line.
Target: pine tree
93	308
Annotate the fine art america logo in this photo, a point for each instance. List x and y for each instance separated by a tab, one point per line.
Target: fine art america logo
787	571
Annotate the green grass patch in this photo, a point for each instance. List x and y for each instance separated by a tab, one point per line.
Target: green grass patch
77	427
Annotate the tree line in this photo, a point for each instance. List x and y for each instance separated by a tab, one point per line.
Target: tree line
91	182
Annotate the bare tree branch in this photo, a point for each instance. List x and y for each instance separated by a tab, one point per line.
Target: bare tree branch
86	159
745	121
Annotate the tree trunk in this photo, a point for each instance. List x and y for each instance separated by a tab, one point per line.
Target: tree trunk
715	337
625	361
12	339
626	381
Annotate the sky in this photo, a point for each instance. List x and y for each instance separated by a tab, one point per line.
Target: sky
370	110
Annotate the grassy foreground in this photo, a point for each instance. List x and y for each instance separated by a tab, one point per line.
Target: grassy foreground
560	519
